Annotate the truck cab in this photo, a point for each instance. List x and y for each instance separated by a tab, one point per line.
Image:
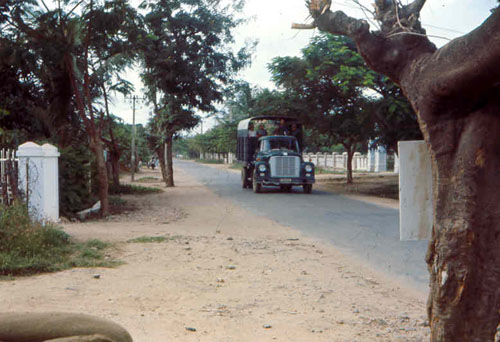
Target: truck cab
273	160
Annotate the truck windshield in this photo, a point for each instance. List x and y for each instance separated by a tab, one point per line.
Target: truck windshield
284	144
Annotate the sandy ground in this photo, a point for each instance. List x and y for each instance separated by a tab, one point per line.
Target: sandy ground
222	275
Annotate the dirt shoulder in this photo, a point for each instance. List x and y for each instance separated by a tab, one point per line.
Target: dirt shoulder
222	274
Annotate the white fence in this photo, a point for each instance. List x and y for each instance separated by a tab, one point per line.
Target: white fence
374	161
337	162
8	176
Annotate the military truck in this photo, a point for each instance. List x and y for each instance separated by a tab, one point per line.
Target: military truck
270	148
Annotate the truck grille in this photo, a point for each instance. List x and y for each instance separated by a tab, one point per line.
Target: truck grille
285	166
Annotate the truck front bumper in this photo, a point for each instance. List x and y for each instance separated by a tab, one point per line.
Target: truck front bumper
285	181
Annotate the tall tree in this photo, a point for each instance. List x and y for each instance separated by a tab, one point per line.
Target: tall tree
328	83
454	91
187	62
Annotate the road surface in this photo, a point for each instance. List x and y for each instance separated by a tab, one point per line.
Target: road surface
365	231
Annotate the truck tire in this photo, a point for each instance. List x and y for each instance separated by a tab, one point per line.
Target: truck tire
257	187
307	188
244	178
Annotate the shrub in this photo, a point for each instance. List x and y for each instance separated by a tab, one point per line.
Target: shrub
74	180
27	247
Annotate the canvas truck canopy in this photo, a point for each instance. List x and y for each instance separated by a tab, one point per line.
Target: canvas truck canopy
249	130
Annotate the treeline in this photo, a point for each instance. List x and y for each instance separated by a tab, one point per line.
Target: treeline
63	62
343	104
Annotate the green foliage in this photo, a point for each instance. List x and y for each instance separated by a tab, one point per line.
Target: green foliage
330	83
74	167
188	62
27	247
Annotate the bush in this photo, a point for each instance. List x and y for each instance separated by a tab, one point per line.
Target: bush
27	247
74	180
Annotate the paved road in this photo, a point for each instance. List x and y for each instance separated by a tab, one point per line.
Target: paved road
366	231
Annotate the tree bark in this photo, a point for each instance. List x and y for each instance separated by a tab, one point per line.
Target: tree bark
170	167
350	154
115	168
455	93
96	146
160	151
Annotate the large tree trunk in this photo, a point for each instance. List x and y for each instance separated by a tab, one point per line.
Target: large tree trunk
115	168
454	91
160	151
170	167
464	253
96	146
350	155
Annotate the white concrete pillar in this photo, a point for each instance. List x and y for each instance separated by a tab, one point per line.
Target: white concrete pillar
334	157
39	180
415	191
380	159
344	160
316	159
355	161
370	159
396	163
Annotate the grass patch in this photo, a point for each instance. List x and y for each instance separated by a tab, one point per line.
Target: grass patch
148	180
132	189
148	239
28	248
154	239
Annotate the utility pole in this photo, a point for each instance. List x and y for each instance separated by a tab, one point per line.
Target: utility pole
132	156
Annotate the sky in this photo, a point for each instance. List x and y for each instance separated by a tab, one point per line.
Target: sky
270	24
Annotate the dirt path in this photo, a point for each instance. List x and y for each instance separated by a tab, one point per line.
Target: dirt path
225	273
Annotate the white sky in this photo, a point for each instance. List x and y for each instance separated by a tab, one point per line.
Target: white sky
271	27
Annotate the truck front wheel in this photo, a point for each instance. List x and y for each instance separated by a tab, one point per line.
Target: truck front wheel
307	188
257	187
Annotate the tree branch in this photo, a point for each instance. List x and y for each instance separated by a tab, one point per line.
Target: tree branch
469	64
414	8
340	23
303	26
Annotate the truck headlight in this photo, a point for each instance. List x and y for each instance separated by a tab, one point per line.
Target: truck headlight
262	168
308	168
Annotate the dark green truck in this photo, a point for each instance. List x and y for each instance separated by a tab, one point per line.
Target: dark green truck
273	159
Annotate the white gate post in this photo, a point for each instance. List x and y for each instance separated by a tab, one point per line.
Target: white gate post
39	180
380	159
396	163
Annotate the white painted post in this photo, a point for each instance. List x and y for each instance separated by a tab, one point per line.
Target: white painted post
396	163
380	159
371	159
39	180
415	191
334	157
355	161
316	159
344	160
